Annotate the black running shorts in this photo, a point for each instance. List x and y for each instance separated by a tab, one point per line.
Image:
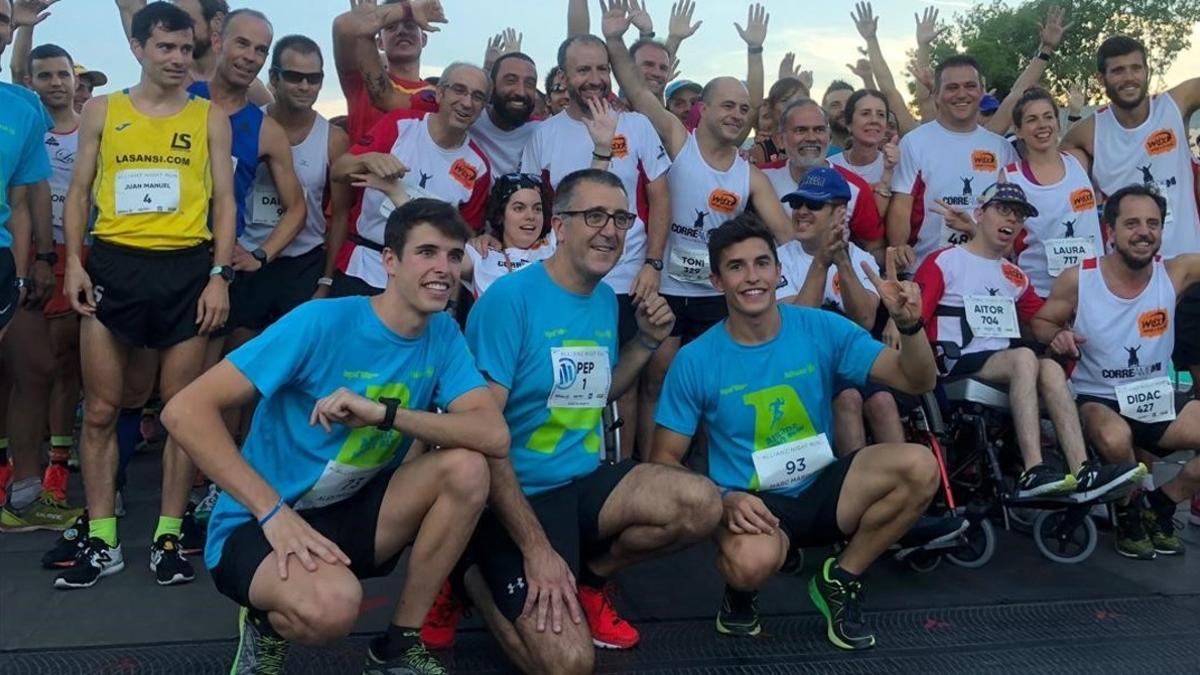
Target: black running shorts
259	299
810	518
1146	436
694	316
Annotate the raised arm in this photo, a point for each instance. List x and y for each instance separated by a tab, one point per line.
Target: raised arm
1051	36
355	54
754	35
127	9
1187	96
681	26
672	132
578	20
25	15
911	368
868	24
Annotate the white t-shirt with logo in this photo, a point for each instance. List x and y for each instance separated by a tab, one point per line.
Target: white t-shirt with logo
562	145
485	271
61	148
795	262
503	148
956	167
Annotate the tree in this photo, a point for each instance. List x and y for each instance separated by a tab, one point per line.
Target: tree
995	33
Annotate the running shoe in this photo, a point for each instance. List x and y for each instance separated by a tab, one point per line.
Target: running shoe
47	512
441	623
841	605
68	545
1132	540
54	481
169	564
5	479
1042	480
609	630
1194	518
192	533
1094	479
1160	525
205	506
259	652
95	560
416	660
738	616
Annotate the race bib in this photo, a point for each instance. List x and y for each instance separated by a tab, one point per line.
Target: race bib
266	208
1063	254
688	264
582	376
147	191
337	482
952	237
790	464
991	316
1148	400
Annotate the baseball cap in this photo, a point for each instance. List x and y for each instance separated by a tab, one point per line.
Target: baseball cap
680	85
821	184
93	77
988	104
1007	193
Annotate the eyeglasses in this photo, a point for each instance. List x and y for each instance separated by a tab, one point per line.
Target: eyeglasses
598	218
462	91
1009	211
296	76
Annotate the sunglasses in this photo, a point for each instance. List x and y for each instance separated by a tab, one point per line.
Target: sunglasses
808	204
296	76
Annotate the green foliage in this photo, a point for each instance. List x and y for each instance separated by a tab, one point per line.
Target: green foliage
1004	37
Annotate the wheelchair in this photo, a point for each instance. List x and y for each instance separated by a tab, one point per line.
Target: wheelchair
967	424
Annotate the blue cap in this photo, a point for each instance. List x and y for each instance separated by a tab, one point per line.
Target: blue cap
989	104
821	184
679	85
1008	193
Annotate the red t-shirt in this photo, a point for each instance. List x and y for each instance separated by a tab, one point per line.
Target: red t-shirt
361	115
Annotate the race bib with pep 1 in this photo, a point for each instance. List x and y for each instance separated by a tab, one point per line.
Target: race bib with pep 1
1147	401
789	464
1064	254
688	264
147	191
582	376
337	482
991	316
265	207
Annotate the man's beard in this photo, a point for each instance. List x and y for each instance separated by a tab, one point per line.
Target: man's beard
838	128
509	117
578	100
200	49
1135	263
1114	96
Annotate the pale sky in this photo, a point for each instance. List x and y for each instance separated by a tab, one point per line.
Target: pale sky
820	33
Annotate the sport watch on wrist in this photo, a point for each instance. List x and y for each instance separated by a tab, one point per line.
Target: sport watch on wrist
656	263
23	282
50	258
223	271
260	255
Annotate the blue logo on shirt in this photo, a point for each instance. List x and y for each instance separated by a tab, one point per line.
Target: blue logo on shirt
567	371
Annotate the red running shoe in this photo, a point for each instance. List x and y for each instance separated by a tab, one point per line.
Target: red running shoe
54	481
441	622
609	630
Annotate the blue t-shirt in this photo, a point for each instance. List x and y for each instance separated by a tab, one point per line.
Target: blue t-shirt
23	158
307	355
34	101
247	129
754	398
512	331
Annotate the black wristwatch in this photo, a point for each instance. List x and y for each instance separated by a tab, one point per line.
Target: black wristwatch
23	282
913	329
50	258
656	263
390	406
223	271
260	255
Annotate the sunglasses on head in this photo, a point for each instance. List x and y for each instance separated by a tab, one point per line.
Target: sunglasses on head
296	76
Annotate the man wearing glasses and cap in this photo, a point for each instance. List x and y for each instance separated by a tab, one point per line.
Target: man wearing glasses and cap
974	303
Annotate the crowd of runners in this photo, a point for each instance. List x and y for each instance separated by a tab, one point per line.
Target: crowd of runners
416	326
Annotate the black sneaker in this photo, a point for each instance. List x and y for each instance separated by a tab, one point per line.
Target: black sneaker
260	651
738	616
841	605
1132	540
1094	480
192	535
67	546
1160	527
95	560
169	564
416	660
1042	480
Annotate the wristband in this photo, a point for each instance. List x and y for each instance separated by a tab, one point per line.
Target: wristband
1044	56
271	514
651	346
390	405
1074	118
325	281
913	329
600	157
755	50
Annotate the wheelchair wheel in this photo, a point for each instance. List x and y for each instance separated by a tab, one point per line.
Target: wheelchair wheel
923	562
1068	548
979	548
